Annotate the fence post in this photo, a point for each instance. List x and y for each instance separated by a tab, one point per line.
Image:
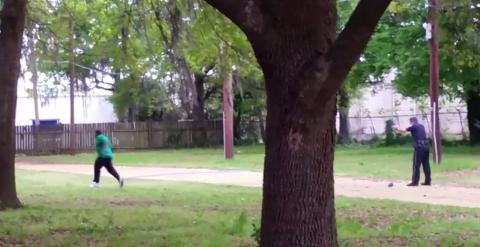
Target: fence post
110	129
149	134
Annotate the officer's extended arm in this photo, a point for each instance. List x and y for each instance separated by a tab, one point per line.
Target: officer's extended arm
399	129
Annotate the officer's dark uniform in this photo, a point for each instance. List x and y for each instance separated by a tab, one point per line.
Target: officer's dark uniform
421	153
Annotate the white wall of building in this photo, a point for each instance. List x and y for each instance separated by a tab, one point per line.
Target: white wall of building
376	105
88	109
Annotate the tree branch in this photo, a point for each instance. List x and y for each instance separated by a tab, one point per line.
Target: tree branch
351	43
246	14
158	21
237	50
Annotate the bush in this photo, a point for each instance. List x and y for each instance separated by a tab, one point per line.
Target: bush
455	143
256	233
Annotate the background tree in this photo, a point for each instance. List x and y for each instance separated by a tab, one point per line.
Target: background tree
369	70
160	60
12	22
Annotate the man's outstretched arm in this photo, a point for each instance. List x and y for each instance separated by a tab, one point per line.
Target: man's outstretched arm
400	129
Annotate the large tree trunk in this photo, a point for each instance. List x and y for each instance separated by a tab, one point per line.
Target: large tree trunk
11	32
237	119
343	109
304	65
473	110
199	106
298	195
298	189
199	109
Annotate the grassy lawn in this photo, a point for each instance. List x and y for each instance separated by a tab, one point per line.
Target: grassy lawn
60	210
358	161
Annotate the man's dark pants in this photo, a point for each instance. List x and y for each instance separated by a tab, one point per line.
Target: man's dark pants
107	163
421	157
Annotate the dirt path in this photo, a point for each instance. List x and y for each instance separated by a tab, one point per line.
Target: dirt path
344	186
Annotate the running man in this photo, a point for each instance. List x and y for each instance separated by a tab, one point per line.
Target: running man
420	151
104	159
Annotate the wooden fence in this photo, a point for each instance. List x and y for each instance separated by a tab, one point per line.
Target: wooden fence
55	139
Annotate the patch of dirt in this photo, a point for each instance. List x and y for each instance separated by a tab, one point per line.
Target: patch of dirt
133	203
250	209
451	176
378	218
377	241
434	240
462	217
30	161
379	221
246	243
60	233
14	242
461	173
439	237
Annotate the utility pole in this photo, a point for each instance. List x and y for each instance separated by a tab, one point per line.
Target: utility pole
432	36
228	116
228	111
72	75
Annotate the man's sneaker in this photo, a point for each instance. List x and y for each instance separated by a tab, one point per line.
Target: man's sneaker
121	182
427	183
95	185
412	184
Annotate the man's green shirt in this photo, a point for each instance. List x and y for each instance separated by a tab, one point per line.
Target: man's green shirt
104	147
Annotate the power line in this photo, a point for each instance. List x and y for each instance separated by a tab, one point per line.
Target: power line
83	67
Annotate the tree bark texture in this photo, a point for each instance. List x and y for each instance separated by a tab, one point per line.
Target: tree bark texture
304	64
11	34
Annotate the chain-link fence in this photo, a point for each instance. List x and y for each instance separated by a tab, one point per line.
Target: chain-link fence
453	125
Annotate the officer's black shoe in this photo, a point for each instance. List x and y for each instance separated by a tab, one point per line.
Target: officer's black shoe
427	183
412	184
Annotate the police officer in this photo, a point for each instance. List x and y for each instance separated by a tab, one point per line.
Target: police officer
420	153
